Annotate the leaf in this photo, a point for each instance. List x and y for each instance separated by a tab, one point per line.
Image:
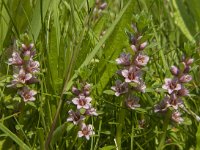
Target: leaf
99	45
110	147
14	137
198	137
183	20
109	92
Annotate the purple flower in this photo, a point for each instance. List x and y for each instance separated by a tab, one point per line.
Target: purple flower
33	66
174	70
15	60
22	77
86	131
75	117
124	59
162	106
171	85
86	89
174	101
120	87
132	102
91	112
141	60
176	116
27	94
82	102
131	75
185	78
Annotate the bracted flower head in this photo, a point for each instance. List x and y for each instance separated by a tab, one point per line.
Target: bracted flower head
131	75
27	94
171	85
86	131
120	87
124	59
15	60
82	102
141	60
75	117
132	102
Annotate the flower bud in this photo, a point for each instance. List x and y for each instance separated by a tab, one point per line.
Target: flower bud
185	78
143	45
174	70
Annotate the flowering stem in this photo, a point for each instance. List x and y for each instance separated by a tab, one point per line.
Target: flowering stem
121	118
166	122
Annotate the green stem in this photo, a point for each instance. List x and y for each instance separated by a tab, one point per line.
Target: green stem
166	122
132	131
121	118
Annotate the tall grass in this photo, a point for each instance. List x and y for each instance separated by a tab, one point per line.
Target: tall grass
74	43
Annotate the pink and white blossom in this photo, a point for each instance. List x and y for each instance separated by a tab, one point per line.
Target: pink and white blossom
27	94
33	66
86	131
124	59
120	87
82	102
15	60
171	85
131	75
75	117
141	60
22	77
91	112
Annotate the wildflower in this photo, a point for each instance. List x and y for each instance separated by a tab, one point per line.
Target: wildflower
141	60
75	91
124	59
91	112
132	102
82	102
174	101
15	60
185	78
162	106
176	116
120	87
27	94
33	66
86	131
131	75
22	77
171	85
75	117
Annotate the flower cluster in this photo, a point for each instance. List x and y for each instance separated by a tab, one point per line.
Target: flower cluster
176	90
131	71
26	69
84	108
